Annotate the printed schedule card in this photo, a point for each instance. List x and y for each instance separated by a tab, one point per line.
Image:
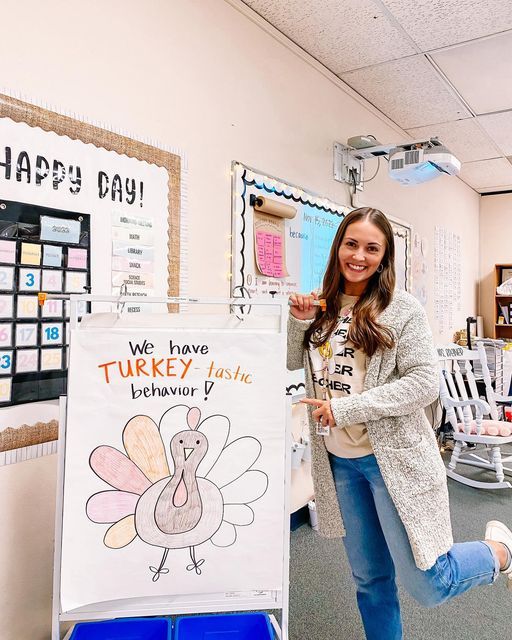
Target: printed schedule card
47	250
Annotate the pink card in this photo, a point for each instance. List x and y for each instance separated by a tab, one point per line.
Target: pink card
77	258
8	251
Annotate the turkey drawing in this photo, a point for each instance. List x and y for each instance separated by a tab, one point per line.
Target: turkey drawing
180	484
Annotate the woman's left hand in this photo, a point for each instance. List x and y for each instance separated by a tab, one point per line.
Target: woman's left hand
323	412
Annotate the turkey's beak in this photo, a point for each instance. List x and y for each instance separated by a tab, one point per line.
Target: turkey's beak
188	451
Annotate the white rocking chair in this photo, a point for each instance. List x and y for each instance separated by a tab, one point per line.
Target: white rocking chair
465	411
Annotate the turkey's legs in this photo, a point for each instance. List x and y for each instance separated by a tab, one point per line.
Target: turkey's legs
158	572
195	563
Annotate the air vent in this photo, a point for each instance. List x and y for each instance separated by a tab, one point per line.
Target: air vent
412	157
398	163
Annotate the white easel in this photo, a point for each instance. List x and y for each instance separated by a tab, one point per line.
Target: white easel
176	604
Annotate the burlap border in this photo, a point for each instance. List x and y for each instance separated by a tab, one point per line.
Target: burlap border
28	435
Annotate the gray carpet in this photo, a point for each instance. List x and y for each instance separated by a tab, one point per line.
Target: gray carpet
322	594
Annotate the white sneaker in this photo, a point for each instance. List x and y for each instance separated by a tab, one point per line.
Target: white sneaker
498	532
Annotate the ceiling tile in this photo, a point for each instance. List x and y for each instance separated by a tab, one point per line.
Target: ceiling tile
434	23
499	128
341	34
464	138
481	72
409	91
487	174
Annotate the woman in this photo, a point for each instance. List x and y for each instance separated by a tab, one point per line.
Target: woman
370	371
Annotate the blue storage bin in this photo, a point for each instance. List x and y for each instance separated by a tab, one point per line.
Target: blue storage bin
124	629
231	626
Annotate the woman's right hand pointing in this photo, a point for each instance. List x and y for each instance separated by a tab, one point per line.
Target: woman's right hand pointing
302	306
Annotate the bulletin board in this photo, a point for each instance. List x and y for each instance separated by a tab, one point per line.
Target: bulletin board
281	237
127	193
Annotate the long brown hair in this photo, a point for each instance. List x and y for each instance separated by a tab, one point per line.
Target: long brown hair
364	332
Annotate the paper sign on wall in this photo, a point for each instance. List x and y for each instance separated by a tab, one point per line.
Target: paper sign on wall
139	252
125	220
133	236
142	280
132	265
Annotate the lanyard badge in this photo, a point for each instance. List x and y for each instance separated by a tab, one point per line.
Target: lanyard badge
326	352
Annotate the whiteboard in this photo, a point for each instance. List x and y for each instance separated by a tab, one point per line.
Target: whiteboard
307	240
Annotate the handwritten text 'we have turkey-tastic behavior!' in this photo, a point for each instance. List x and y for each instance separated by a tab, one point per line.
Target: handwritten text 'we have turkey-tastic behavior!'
176	366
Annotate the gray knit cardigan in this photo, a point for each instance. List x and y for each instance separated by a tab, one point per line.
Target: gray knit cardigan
399	383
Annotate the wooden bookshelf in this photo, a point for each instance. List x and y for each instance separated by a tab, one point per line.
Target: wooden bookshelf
503	331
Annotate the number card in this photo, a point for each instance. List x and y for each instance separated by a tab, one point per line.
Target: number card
29	279
6	278
30	253
8	251
26	335
52	280
51	333
5	334
5	362
51	359
6	306
52	309
75	282
27	307
81	308
5	389
27	360
52	256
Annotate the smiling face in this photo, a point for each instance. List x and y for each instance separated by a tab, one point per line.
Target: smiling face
361	252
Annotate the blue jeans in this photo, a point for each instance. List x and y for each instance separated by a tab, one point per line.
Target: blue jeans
377	546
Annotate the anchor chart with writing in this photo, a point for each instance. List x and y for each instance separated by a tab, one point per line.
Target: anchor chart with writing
177	485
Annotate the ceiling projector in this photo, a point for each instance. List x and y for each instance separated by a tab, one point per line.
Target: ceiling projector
417	165
411	162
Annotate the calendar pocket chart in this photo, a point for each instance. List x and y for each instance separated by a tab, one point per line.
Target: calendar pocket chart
37	256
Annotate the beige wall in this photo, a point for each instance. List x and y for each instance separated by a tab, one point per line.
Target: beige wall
495	248
199	75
